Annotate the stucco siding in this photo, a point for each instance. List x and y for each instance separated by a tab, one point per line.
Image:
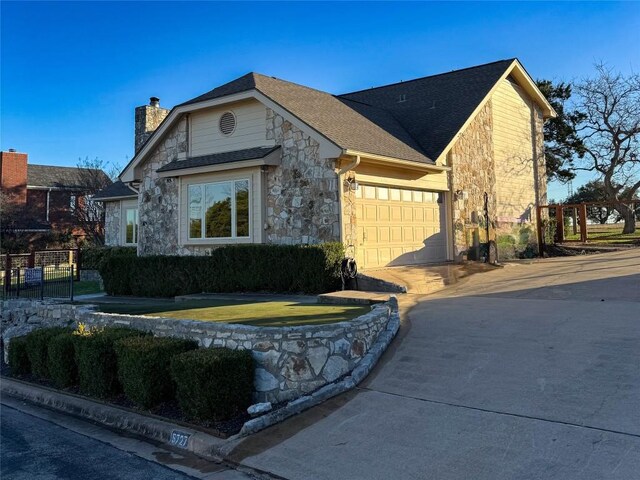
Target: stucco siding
205	135
514	154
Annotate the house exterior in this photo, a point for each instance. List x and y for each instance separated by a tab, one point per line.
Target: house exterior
42	197
406	173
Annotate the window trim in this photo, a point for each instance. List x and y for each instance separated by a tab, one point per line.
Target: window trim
136	225
234	215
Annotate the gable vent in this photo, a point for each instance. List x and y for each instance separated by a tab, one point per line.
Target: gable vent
402	98
227	123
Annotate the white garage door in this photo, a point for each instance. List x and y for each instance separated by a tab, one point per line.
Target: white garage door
399	226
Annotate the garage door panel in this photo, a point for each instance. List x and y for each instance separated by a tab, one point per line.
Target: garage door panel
398	226
383	213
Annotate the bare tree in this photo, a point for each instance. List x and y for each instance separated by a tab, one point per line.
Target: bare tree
610	132
92	176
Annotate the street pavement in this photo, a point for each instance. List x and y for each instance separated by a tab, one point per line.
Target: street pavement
527	372
39	444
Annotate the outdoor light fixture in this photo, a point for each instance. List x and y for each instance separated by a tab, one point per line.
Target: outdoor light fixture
352	185
461	195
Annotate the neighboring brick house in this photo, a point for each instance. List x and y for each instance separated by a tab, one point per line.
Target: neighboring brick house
398	173
43	197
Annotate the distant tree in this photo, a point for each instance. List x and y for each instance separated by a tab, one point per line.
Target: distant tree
562	143
92	176
609	128
593	191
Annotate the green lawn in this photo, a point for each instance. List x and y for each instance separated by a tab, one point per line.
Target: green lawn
279	313
86	287
608	234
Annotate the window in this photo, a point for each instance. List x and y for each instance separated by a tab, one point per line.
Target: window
219	210
72	203
131	226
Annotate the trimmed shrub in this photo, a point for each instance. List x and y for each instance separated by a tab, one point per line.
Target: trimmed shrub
143	367
92	258
38	349
18	357
213	383
97	363
237	268
61	360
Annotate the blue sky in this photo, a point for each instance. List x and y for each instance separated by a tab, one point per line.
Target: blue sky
72	73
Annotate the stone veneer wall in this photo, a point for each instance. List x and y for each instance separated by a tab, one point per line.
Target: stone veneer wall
473	170
290	361
302	204
112	222
158	198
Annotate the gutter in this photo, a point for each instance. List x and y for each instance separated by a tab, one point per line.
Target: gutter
398	161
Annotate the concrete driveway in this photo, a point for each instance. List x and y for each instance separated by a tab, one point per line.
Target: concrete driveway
527	372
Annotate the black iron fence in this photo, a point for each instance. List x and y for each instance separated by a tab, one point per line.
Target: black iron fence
37	282
42	258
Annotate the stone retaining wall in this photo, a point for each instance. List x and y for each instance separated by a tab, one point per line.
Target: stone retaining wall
290	361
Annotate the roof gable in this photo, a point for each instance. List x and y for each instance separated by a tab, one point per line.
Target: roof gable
435	108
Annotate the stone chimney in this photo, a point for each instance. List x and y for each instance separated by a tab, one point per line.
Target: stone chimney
13	176
148	118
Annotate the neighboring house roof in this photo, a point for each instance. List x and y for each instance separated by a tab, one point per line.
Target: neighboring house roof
58	177
416	120
219	158
115	191
434	108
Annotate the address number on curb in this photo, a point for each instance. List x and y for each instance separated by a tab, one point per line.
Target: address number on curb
179	439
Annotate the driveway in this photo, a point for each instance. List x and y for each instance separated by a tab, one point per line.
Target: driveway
527	372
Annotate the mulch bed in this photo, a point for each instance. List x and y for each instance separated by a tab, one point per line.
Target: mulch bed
165	411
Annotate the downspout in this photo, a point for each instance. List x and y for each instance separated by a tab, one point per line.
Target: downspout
351	166
48	194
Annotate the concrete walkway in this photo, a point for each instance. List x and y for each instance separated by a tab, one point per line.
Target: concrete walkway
427	279
527	372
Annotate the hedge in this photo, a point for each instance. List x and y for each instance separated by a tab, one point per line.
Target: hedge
143	367
37	344
213	383
239	268
61	360
92	258
96	361
18	357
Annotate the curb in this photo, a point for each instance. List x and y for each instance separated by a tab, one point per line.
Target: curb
331	390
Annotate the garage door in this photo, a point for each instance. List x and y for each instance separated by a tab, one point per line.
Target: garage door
399	226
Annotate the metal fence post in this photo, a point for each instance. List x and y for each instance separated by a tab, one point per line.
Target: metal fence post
42	284
71	282
78	263
18	283
7	275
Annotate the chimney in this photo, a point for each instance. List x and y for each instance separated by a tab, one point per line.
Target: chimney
13	176
147	119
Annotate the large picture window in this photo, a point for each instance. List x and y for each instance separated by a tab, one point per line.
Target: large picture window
219	210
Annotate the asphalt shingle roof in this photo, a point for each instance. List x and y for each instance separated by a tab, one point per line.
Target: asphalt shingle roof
374	120
57	177
435	107
219	158
346	123
116	189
